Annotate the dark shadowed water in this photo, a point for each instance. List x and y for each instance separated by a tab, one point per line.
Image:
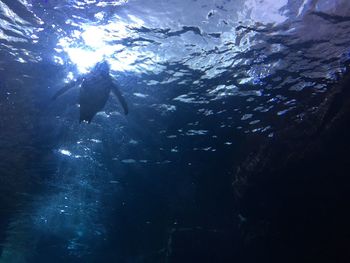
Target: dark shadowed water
203	79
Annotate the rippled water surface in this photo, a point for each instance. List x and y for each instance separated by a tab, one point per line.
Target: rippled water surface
200	77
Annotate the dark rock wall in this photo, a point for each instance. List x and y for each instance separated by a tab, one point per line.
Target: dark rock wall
293	191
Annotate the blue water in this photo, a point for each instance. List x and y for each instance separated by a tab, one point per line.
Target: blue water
203	79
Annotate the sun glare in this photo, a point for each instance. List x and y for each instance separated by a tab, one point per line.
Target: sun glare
94	43
94	37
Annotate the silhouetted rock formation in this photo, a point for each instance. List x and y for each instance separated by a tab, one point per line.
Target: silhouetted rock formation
293	190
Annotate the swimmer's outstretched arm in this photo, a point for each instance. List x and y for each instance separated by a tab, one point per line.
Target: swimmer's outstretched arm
67	87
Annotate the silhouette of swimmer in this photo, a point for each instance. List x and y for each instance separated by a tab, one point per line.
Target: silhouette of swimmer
95	89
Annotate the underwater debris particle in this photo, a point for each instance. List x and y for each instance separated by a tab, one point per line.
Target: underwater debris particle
65	152
128	161
246	117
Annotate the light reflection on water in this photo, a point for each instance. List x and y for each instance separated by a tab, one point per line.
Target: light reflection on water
97	42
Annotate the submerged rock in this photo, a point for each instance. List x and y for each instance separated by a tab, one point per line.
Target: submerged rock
293	189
